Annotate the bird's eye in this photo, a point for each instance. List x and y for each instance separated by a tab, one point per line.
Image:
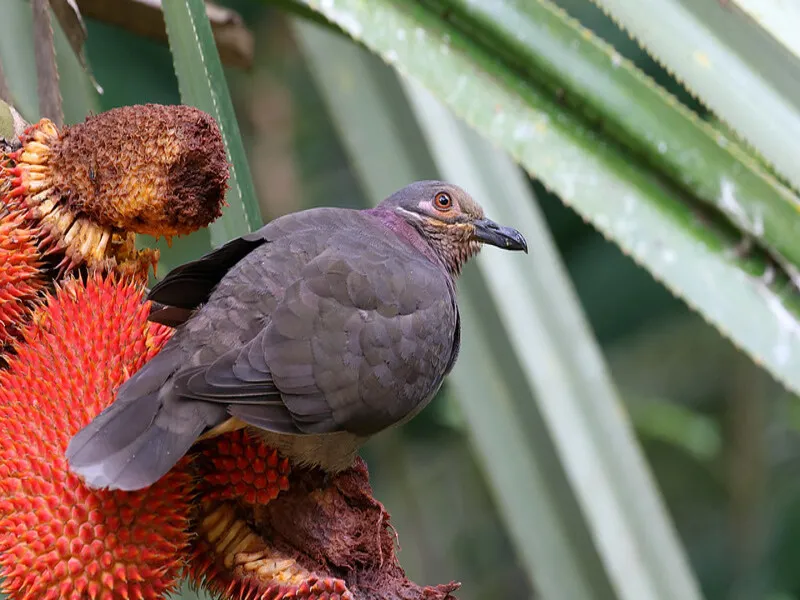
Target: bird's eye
443	201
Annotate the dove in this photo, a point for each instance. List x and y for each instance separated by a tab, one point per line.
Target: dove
319	330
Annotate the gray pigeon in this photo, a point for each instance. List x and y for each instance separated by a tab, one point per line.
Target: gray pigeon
319	330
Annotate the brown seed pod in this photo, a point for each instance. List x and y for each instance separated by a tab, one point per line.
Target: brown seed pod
233	562
150	169
263	530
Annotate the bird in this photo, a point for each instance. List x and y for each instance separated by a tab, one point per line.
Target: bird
317	331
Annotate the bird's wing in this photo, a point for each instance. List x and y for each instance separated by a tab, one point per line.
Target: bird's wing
360	341
150	425
186	287
183	290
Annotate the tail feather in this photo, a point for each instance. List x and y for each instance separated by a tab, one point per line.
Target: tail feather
132	412
144	433
133	446
141	463
270	417
114	429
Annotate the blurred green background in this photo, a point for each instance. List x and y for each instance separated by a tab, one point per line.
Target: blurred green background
720	436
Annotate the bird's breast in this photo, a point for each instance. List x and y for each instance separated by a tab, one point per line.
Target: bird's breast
332	452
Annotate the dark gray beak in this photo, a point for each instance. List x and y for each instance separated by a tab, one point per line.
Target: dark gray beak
507	238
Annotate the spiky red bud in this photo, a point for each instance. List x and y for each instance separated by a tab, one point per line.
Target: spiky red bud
21	278
244	468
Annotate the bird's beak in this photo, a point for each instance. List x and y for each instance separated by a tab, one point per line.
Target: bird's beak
508	238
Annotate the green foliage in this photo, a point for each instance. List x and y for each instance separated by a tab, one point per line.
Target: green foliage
721	53
558	56
202	84
16	54
652	215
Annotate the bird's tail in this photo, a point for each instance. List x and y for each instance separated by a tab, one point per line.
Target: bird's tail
141	435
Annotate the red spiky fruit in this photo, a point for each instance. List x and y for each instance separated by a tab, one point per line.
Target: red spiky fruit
21	277
243	468
58	538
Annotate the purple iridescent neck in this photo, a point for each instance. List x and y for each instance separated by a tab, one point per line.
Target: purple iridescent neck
406	232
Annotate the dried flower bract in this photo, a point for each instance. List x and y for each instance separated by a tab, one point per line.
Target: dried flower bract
150	169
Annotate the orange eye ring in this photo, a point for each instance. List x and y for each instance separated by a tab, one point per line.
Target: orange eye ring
442	201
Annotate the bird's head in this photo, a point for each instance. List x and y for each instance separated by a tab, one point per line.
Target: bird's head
451	221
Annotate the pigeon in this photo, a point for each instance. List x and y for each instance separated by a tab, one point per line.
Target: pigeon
319	330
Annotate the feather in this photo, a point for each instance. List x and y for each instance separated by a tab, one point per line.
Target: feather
191	284
270	417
